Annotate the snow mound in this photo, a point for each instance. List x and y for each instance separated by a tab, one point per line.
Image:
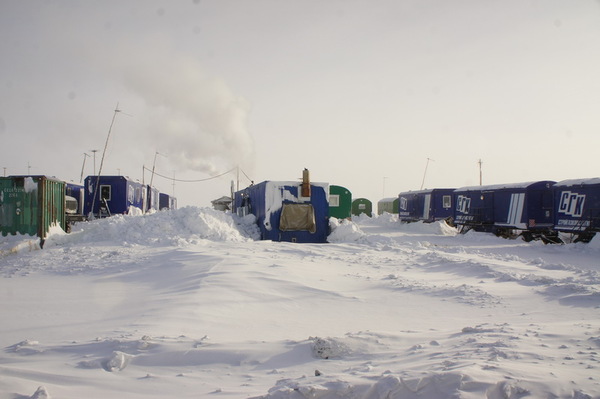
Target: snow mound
344	231
41	393
328	348
175	227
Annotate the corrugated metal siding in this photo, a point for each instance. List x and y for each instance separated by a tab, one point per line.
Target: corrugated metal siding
31	205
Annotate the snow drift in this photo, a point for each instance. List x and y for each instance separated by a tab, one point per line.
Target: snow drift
188	303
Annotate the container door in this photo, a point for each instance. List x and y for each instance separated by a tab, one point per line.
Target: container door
426	206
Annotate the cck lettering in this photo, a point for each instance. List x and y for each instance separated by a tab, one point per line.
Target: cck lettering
403	203
571	203
463	204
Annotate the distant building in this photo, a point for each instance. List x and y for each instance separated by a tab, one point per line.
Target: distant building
362	205
222	204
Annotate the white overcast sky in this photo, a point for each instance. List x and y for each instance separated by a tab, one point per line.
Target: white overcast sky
361	93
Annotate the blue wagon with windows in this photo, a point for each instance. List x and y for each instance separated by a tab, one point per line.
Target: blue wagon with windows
166	201
508	210
426	205
577	208
474	208
110	195
287	211
152	199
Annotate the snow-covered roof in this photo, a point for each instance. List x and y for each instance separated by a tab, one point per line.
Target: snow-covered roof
579	182
425	191
502	186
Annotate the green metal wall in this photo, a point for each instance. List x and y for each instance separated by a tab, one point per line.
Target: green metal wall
389	205
340	202
31	205
362	205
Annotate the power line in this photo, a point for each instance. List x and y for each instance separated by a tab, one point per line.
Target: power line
196	180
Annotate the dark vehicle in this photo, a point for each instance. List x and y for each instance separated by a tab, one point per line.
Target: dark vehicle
74	200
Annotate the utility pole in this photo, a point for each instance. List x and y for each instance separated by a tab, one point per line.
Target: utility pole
426	165
85	155
153	166
94	152
480	174
5	171
173	183
28	168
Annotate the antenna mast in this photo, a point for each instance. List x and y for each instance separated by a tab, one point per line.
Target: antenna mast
480	174
102	160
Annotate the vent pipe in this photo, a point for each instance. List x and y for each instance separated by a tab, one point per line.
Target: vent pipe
305	183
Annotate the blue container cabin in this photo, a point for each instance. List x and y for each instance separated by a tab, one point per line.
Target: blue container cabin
426	205
577	208
526	209
507	209
287	211
474	208
166	202
152	199
110	195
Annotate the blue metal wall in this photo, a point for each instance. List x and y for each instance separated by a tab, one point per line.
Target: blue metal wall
125	193
577	205
265	200
426	205
520	206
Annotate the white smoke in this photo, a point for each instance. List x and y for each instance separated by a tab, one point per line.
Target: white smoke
193	117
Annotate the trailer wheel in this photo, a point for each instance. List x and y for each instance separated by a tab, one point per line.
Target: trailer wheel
584	237
463	228
552	238
527	236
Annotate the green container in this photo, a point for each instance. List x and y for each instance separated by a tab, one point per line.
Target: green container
389	205
340	202
31	205
362	205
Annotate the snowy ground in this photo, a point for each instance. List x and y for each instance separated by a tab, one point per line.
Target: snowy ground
186	304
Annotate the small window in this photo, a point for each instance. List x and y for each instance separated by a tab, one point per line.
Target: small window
447	201
334	200
296	217
105	192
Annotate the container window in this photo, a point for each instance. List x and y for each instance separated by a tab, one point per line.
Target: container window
334	200
296	217
105	192
447	201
